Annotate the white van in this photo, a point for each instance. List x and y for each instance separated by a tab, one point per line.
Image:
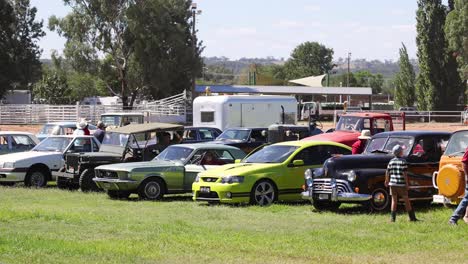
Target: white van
225	111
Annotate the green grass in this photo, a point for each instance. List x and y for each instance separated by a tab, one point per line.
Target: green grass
53	226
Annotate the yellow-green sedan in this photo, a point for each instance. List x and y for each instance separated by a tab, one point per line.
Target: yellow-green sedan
271	173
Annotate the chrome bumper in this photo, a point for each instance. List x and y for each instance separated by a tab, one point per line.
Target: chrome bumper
112	180
334	190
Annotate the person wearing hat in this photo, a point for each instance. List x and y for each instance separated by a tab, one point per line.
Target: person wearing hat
396	178
100	131
359	146
80	126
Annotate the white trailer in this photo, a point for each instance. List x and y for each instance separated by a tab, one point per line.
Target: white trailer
225	111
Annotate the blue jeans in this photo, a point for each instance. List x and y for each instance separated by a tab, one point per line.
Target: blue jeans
461	209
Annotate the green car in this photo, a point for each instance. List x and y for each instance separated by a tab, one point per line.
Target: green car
172	171
271	173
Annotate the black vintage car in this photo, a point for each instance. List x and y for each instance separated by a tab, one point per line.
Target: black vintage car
131	143
360	178
247	139
200	134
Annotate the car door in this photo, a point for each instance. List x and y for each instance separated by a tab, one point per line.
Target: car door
4	144
423	161
20	143
194	166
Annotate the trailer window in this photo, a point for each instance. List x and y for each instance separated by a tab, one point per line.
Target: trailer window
207	117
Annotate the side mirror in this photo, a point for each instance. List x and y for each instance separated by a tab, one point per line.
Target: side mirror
297	163
237	161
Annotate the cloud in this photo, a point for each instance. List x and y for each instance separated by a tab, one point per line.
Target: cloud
288	24
237	31
404	28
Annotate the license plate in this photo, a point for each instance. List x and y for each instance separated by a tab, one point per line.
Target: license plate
323	196
71	170
205	189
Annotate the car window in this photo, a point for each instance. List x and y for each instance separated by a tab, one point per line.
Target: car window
95	146
81	145
206	134
380	125
271	154
316	155
190	134
341	150
3	143
225	155
257	136
427	149
69	130
21	142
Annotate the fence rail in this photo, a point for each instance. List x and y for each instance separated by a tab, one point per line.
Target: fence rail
172	108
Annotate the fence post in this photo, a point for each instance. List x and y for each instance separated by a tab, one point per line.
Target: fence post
429	117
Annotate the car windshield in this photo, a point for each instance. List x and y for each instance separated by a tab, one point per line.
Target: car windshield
111	120
385	145
350	123
115	139
234	134
56	144
457	144
50	130
271	154
173	153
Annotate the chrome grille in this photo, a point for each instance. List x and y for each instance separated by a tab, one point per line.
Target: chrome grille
106	174
324	186
209	179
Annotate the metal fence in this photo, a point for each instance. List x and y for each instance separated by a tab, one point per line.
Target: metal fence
168	109
424	116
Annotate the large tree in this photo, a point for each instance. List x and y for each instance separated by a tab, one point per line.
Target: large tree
456	30
19	53
308	59
53	87
437	86
405	80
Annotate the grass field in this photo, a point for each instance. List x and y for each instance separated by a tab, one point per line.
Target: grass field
53	226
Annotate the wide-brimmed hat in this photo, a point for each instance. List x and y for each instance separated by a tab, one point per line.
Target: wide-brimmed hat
101	124
365	134
82	124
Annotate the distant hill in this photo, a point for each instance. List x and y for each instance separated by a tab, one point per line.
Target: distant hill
387	68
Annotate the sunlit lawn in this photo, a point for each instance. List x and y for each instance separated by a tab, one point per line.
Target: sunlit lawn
53	226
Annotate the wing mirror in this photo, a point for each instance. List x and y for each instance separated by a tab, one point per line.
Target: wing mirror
297	163
237	161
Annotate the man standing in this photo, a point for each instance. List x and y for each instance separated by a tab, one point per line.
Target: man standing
397	178
359	146
100	131
462	207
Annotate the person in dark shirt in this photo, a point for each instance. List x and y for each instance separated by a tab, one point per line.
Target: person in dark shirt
461	210
210	159
360	145
396	178
100	131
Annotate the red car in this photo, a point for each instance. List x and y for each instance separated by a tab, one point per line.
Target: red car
349	127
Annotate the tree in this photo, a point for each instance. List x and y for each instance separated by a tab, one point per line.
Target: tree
307	59
456	31
437	86
19	53
53	88
405	80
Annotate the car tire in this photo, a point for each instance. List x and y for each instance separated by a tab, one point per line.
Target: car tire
152	189
325	205
36	178
380	199
118	194
86	181
263	193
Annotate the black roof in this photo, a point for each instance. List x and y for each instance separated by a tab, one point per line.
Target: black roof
246	128
412	133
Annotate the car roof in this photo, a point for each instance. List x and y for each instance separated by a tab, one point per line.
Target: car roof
199	127
146	127
15	133
204	145
412	133
310	143
246	128
69	136
62	123
367	114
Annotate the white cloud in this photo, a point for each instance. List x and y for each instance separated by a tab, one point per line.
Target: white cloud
237	31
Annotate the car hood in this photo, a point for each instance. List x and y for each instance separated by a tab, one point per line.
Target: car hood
244	169
227	141
22	156
137	165
361	161
341	136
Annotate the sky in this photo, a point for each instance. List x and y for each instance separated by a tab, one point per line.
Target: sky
368	29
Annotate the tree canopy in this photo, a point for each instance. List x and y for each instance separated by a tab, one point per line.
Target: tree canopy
405	80
308	59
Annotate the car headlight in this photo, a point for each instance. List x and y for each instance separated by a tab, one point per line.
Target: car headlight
350	175
9	165
308	174
232	179
197	179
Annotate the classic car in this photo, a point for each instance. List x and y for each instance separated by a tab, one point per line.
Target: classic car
35	167
14	141
449	180
350	125
172	171
135	142
271	173
200	134
360	178
247	139
59	128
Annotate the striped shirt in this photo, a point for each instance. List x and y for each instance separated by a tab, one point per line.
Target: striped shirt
396	168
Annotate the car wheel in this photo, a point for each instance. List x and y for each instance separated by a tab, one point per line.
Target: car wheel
36	178
380	199
118	194
152	189
325	205
86	181
263	193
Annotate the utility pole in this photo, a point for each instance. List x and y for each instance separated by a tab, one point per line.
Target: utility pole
195	12
349	59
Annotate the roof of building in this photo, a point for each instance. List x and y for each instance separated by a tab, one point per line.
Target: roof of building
284	90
